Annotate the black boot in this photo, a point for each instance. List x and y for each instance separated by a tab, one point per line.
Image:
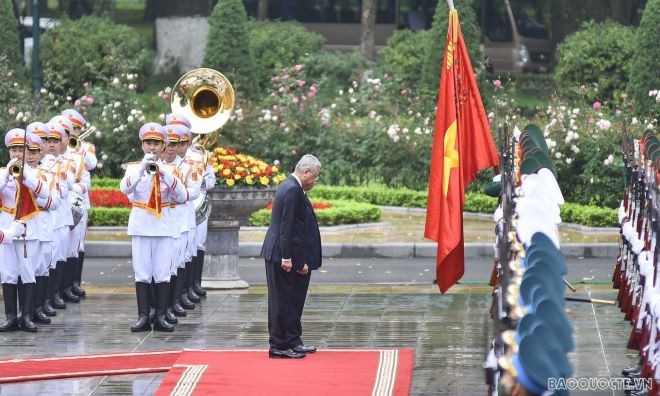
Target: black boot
152	301
171	300
77	276
198	268
40	299
57	301
162	292
20	291
190	279
11	310
67	293
142	295
184	301
175	292
28	308
48	308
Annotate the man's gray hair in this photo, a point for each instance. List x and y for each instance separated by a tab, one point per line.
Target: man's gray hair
308	162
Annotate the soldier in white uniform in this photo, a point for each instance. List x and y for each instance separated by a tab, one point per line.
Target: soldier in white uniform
56	162
21	257
172	160
88	152
208	182
44	219
152	225
187	298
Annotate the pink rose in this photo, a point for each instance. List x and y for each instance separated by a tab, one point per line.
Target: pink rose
403	91
297	68
300	82
285	76
282	125
276	78
295	100
497	83
597	105
85	84
77	103
591	120
165	96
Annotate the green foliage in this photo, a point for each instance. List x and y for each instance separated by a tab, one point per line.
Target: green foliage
9	38
105	182
597	55
404	56
333	69
15	95
109	216
377	195
341	212
278	44
592	216
644	70
92	50
430	77
479	203
228	47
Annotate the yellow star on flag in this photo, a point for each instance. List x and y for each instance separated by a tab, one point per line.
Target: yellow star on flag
450	154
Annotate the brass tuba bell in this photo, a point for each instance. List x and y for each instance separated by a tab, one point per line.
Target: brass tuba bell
205	97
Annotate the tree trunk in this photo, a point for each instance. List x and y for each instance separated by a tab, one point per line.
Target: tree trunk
368	40
262	10
617	12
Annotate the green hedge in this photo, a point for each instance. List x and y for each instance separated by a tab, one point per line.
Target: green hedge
105	182
593	216
341	212
109	216
589	215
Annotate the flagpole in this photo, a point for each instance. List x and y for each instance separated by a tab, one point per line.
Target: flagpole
450	3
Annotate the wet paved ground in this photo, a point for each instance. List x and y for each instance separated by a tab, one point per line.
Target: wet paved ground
448	333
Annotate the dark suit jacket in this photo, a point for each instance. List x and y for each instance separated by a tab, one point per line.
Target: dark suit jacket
293	231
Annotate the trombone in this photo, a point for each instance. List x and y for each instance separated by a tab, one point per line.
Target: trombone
76	141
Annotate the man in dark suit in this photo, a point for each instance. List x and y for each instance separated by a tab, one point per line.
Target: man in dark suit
292	249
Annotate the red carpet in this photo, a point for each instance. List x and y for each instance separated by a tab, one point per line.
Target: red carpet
326	372
17	370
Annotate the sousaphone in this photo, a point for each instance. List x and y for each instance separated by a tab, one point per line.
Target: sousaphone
206	98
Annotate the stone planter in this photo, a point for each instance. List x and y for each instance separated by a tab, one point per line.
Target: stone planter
229	211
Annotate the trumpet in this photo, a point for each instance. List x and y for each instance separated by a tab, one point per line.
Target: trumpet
15	169
152	168
76	141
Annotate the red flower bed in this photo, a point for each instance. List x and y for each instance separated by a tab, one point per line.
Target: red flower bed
316	204
108	198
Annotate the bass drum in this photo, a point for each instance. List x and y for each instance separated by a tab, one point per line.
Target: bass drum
202	206
77	202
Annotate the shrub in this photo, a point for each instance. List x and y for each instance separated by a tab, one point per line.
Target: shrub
9	38
108	198
109	217
105	183
377	195
644	70
404	55
341	212
228	47
278	44
108	49
589	215
333	69
598	54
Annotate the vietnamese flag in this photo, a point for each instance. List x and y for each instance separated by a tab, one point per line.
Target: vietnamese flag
462	145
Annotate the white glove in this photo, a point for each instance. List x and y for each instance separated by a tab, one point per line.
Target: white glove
16	229
30	178
145	161
167	176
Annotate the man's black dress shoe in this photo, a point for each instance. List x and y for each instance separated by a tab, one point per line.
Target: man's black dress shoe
304	348
284	354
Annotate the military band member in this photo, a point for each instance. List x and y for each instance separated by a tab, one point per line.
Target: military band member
152	189
62	217
208	182
88	152
44	219
21	256
190	168
172	160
